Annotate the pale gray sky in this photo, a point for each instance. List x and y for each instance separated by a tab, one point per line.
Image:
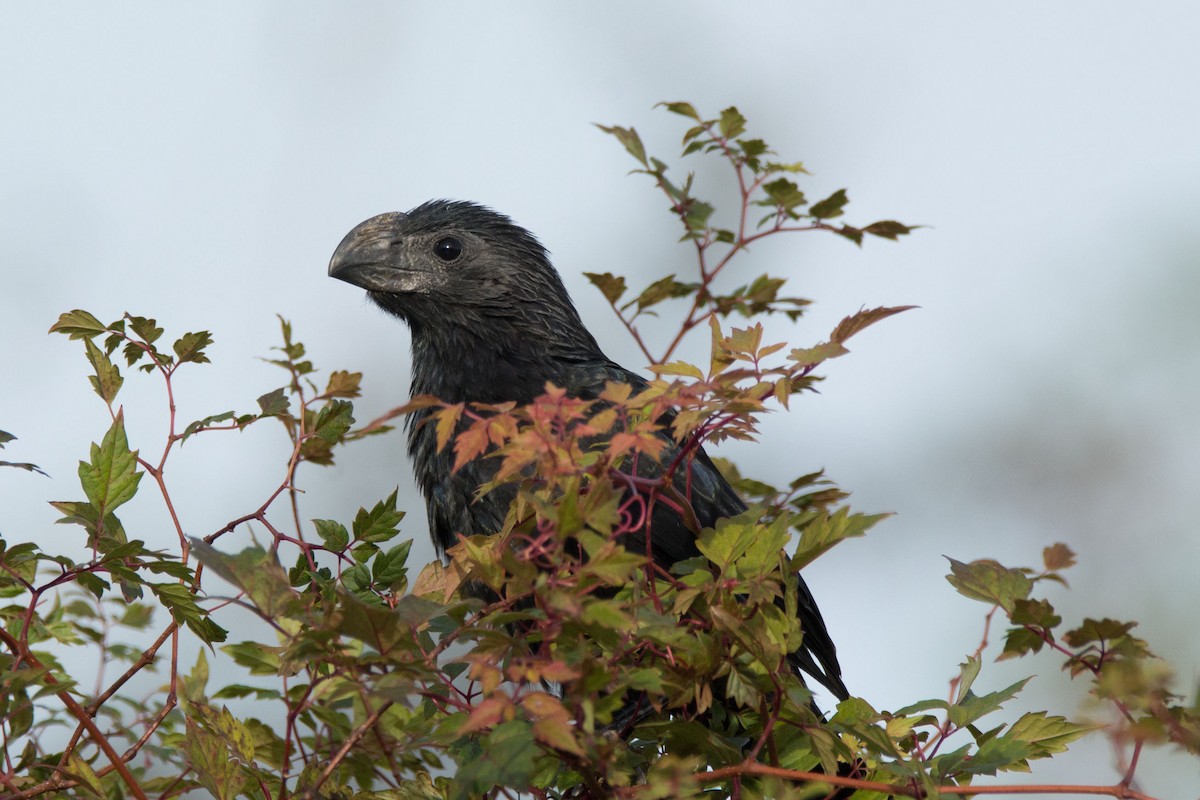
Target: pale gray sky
200	163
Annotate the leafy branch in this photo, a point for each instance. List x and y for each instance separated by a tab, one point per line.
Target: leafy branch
762	183
551	658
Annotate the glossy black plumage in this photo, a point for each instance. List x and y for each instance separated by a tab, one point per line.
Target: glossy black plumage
494	323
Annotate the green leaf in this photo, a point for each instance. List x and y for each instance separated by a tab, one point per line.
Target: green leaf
1093	630
110	532
783	193
257	657
662	289
386	629
1048	735
688	738
333	420
505	757
683	109
194	427
135	352
78	324
850	232
972	707
274	403
343	384
190	347
809	357
333	534
678	368
608	614
831	206
236	691
1035	612
992	755
614	565
887	229
752	149
137	615
93	583
111	477
211	736
145	328
731	123
990	582
5	438
107	380
258	574
79	770
389	569
793	167
1019	641
379	524
826	530
611	286
967	674
730	538
181	602
629	139
697	214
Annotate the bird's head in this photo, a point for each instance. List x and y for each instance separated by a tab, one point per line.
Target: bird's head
490	317
445	254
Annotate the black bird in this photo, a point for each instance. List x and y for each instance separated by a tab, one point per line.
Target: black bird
492	322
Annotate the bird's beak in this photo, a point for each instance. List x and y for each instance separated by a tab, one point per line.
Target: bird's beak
364	256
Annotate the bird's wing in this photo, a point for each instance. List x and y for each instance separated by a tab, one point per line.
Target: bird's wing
712	498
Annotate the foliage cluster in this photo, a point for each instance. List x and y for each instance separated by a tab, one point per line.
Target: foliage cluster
380	681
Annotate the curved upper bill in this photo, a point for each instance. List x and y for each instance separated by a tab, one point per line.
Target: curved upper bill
363	257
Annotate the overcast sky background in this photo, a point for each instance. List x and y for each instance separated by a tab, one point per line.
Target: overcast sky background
199	164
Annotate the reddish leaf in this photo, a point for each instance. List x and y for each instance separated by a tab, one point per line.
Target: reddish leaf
485	715
864	318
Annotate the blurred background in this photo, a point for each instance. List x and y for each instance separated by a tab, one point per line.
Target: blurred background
200	164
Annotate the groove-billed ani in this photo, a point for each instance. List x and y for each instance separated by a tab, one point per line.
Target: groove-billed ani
492	322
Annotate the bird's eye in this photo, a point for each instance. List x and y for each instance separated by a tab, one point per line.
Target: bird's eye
448	248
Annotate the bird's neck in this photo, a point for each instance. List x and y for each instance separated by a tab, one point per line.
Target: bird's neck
491	363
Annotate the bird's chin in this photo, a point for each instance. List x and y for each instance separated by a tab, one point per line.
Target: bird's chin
399	303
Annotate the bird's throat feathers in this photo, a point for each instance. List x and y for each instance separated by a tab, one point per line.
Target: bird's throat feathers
491	359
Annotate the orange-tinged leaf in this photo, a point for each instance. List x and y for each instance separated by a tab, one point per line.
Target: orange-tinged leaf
1058	556
470	443
486	714
616	392
435	579
486	674
622	443
678	368
501	428
542	705
602	421
343	384
811	356
447	419
783	391
611	286
558	734
558	671
745	340
865	317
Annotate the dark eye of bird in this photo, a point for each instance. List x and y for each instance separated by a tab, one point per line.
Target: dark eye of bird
448	248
